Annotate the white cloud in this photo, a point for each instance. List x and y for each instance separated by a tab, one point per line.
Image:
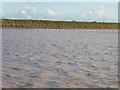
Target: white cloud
93	14
23	12
32	9
27	12
99	14
52	13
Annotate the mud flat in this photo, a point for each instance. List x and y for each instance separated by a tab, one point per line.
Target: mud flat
59	59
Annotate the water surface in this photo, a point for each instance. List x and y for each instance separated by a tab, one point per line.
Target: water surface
59	58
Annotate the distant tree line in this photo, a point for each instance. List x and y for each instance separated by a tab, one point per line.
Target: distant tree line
44	24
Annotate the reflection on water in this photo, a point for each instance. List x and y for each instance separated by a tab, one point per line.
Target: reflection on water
59	58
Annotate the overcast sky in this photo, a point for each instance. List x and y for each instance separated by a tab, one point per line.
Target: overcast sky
79	11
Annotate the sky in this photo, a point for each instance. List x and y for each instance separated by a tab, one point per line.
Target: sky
62	11
59	0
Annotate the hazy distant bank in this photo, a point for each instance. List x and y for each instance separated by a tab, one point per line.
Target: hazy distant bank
44	24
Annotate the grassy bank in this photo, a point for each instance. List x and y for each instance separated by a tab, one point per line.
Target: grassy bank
44	24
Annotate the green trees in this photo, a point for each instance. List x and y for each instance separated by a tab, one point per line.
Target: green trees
39	24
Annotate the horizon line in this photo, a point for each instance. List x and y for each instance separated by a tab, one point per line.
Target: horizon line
63	20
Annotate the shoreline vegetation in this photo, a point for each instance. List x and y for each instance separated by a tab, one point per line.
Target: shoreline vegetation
45	24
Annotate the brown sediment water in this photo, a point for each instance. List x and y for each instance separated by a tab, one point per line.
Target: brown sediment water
59	58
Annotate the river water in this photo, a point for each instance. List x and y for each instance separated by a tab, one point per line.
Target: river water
59	58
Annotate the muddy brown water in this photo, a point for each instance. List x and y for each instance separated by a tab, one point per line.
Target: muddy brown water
59	59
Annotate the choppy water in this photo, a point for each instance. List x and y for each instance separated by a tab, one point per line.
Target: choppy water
59	58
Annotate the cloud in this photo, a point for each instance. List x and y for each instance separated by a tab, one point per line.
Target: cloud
99	14
31	12
32	9
93	14
50	12
23	12
27	12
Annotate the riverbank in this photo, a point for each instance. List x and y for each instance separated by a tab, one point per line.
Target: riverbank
45	24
